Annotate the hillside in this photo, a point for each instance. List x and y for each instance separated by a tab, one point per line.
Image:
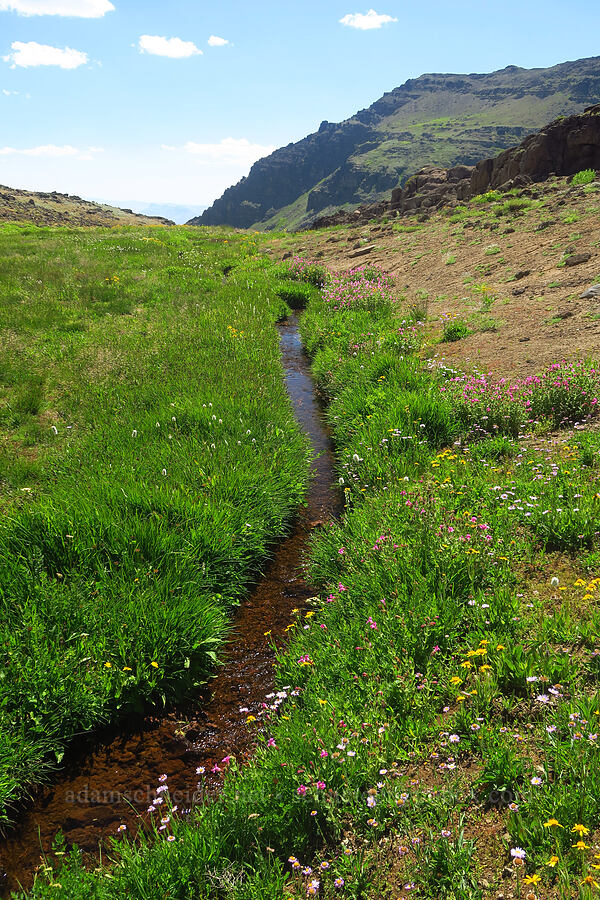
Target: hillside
65	209
507	271
440	119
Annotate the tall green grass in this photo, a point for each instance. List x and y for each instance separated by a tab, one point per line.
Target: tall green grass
150	457
440	672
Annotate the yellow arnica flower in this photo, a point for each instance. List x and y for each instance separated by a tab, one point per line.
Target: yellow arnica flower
532	879
485	668
466	664
455	680
552	861
500	647
589	879
127	669
580	829
552	823
154	665
107	665
581	845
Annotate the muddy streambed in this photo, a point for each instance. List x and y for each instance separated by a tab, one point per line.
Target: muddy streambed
113	783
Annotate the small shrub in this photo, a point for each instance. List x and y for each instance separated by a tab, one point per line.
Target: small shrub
455	331
514	206
488	197
586	176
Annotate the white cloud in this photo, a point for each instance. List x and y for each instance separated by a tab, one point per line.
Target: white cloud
9	93
83	9
34	54
366	21
175	48
51	151
229	151
167	147
215	41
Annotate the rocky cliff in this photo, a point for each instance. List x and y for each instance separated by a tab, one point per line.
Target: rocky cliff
564	147
437	119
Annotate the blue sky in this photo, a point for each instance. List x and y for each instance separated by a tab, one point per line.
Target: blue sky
98	99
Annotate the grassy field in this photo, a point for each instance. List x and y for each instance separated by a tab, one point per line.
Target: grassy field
149	457
437	727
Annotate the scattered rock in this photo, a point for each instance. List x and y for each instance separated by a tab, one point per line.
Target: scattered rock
591	293
564	313
524	340
577	259
516	292
362	252
543	225
522	273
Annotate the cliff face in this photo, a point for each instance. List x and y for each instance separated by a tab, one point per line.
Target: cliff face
563	147
436	119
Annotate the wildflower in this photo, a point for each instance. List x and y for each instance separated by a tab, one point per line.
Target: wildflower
339	883
553	823
581	845
200	770
171	838
518	853
122	828
154	665
552	861
301	791
589	879
580	830
313	887
536	781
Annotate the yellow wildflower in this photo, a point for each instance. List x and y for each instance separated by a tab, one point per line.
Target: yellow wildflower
552	861
580	829
581	845
552	822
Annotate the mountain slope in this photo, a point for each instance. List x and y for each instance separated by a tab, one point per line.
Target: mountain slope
435	119
65	209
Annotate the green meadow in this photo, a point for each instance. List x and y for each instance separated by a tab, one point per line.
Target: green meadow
149	457
436	730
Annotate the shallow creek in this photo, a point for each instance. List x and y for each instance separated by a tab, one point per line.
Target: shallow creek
112	782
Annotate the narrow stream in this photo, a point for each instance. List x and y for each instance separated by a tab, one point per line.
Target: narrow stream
113	784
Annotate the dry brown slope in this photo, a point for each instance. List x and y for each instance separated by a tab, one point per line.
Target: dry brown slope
505	274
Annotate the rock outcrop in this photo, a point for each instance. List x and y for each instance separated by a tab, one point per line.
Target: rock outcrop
563	147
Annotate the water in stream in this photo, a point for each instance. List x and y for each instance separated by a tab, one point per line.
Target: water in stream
112	783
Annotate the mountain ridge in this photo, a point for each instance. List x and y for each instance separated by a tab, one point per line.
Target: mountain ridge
443	119
53	208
